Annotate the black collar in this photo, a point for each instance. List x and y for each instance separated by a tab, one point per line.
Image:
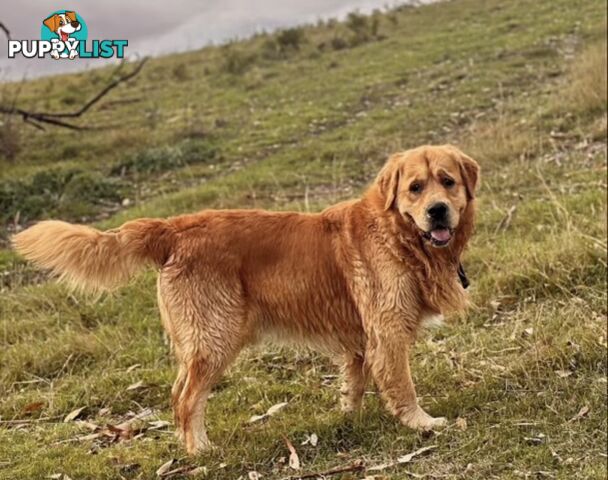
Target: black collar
463	276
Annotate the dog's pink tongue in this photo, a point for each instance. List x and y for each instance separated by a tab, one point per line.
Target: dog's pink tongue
441	234
64	36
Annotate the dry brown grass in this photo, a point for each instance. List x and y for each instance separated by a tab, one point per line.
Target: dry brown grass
501	141
588	78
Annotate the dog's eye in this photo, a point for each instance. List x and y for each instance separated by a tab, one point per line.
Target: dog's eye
448	182
416	187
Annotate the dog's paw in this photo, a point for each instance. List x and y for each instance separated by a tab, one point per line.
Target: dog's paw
200	447
198	443
348	406
418	419
348	403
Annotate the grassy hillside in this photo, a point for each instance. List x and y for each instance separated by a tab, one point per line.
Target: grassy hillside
299	120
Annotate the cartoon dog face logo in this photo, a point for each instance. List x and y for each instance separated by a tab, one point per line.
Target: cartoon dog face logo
63	25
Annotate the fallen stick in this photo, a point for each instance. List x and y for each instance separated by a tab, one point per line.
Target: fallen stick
25	421
356	466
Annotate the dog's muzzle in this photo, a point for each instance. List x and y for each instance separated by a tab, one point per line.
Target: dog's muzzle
440	233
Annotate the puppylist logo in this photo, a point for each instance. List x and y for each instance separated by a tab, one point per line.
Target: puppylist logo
63	34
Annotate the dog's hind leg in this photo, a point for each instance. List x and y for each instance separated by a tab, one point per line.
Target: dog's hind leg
208	328
176	392
204	356
202	368
189	408
354	379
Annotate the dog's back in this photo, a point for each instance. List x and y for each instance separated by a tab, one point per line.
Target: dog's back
281	269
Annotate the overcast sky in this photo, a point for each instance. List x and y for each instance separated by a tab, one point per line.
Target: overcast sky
154	27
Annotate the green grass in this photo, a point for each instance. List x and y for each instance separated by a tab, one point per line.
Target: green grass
521	86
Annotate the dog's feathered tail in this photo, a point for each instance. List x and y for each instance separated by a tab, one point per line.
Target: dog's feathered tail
90	259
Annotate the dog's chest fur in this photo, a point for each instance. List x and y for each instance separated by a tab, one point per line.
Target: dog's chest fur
430	320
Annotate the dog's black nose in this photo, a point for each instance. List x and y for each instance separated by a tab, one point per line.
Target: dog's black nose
437	211
75	23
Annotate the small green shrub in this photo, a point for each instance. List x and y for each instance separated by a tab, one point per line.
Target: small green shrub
70	194
364	28
162	159
152	160
290	39
89	187
338	43
357	22
374	26
360	27
181	72
85	192
236	62
10	138
194	151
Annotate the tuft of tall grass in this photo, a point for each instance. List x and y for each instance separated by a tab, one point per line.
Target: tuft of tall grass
588	80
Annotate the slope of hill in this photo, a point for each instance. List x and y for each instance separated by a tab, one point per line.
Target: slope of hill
298	120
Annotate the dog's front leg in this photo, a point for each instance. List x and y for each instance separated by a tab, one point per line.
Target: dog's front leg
387	355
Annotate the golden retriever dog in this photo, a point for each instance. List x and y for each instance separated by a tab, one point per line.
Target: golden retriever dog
356	280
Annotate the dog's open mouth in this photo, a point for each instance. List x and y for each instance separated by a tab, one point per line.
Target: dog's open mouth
64	36
439	237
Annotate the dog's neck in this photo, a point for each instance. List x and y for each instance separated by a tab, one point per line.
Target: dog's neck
437	269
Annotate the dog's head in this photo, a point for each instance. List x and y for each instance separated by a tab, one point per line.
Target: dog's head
432	187
63	24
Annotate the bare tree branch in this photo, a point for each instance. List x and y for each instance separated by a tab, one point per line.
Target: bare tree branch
34	124
5	30
56	118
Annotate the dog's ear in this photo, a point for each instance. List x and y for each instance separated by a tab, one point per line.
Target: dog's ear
52	23
71	16
469	169
388	180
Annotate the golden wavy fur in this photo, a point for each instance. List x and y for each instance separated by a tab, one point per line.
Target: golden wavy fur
355	280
